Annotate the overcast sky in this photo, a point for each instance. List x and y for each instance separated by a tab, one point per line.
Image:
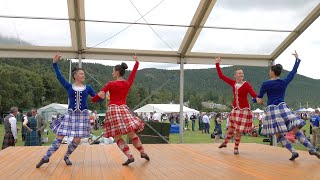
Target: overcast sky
259	14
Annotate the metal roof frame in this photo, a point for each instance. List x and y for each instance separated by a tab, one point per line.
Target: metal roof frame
79	50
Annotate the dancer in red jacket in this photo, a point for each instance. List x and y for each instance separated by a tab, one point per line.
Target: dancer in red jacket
240	119
119	120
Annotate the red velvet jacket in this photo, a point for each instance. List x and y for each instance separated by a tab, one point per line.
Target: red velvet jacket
240	99
119	89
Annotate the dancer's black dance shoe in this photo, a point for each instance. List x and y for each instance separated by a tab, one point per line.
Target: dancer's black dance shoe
41	162
145	156
294	156
131	160
315	153
223	145
67	160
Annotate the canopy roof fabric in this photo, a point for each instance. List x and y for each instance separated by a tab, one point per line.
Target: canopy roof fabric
164	108
157	30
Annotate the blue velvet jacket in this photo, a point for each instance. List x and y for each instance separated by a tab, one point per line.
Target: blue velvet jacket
77	99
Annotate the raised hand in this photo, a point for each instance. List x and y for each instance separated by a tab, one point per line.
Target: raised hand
135	57
218	60
295	54
56	58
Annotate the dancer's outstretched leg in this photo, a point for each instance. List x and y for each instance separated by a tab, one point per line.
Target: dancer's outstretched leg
286	143
53	148
125	149
136	142
304	141
71	147
228	137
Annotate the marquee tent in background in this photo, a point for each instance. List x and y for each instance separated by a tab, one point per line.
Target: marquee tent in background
164	108
257	111
52	110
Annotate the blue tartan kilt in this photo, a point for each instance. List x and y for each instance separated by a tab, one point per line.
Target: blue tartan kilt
72	124
280	119
32	139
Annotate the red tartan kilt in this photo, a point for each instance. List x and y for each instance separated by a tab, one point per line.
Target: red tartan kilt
119	121
241	120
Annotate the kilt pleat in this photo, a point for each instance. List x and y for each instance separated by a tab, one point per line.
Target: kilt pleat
8	140
280	119
119	121
241	120
72	124
32	139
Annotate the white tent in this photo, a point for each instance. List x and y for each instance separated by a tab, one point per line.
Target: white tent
302	110
53	109
310	110
164	108
258	111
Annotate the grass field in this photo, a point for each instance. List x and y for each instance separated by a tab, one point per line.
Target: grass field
189	136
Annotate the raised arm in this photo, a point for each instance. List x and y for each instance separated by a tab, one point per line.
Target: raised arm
258	99
294	69
134	71
60	77
221	75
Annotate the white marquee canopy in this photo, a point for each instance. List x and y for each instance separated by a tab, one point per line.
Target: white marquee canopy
164	108
157	30
241	32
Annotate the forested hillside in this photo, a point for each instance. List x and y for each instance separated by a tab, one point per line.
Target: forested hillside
32	83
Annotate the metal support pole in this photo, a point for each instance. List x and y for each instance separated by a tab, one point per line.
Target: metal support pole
274	137
80	60
181	98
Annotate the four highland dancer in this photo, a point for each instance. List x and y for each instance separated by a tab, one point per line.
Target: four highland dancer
119	120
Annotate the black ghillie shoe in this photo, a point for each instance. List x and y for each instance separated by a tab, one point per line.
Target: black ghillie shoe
294	156
41	162
131	160
236	151
223	145
315	153
145	156
67	160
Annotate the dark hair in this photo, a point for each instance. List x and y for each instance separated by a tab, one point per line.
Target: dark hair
75	70
29	114
218	115
276	69
121	68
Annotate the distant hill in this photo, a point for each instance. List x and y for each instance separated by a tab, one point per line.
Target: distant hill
11	41
19	75
200	84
